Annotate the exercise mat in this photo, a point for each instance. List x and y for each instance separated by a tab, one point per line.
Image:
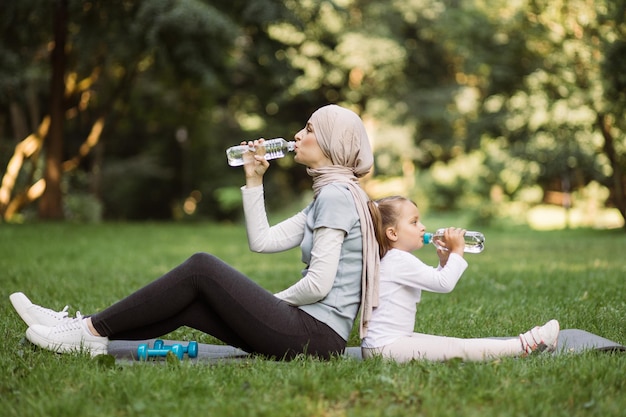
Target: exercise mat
570	341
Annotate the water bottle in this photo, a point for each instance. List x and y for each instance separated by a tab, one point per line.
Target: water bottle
274	148
474	241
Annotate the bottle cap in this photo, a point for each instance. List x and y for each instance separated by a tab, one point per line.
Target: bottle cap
428	237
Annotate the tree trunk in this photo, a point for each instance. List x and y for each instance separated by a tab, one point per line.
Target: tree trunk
18	120
617	190
51	202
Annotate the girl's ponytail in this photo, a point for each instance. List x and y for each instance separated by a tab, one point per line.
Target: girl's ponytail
384	214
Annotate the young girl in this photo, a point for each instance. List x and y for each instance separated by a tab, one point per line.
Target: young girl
314	316
403	277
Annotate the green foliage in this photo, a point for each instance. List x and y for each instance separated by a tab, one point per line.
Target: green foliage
83	208
533	89
191	36
134	189
521	279
25	28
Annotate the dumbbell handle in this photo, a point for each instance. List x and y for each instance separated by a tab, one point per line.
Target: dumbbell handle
143	352
191	349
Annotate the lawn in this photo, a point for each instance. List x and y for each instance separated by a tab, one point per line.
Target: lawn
523	278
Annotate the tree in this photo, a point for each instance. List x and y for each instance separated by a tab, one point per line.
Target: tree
528	94
104	55
574	101
536	88
51	202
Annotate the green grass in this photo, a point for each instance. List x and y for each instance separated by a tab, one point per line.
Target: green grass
523	278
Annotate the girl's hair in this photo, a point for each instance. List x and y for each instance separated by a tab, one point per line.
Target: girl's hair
385	214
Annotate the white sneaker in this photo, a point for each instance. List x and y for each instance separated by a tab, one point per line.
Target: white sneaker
541	339
70	336
34	314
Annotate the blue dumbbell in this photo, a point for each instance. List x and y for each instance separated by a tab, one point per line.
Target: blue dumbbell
144	352
191	349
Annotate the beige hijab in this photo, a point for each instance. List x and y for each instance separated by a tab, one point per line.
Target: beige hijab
342	137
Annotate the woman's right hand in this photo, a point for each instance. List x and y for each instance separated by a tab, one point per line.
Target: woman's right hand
255	165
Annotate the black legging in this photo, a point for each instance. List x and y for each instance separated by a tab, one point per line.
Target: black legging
209	295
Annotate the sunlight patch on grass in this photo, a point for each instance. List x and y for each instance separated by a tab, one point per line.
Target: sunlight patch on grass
549	217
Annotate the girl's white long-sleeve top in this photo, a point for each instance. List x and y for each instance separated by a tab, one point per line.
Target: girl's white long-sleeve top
402	279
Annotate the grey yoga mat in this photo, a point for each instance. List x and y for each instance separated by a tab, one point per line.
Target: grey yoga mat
570	341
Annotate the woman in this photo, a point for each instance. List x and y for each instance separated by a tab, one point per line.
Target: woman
314	316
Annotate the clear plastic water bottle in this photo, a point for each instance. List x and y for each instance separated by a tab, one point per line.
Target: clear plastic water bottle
474	241
274	148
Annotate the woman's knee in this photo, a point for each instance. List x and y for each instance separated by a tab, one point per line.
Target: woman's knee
202	260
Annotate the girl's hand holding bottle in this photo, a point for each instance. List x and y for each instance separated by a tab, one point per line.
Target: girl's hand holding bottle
452	241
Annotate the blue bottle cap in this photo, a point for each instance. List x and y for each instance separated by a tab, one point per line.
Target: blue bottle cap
428	237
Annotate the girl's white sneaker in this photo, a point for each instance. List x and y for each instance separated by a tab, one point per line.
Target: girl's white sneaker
541	338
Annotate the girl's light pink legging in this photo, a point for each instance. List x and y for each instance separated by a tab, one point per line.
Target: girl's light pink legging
439	348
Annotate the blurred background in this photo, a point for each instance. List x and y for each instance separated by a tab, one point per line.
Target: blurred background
504	110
